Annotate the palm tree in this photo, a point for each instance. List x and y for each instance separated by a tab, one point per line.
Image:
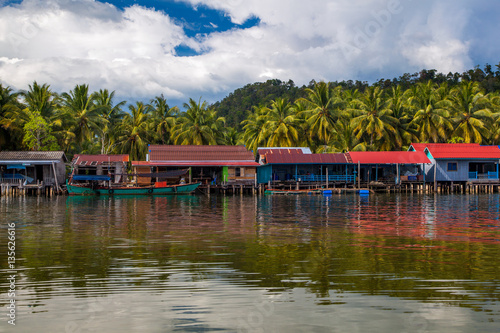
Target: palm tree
163	118
344	139
254	127
8	104
373	119
281	125
113	115
39	98
470	109
83	118
198	125
431	118
231	137
133	132
322	109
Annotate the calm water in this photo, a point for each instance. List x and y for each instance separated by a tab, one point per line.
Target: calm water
384	263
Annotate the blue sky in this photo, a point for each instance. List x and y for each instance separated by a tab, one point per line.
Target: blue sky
199	48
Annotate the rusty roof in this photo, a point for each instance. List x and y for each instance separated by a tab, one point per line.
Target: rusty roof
459	150
283	150
32	156
388	157
185	153
299	158
84	159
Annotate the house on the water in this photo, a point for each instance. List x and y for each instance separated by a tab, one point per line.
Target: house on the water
287	165
389	167
299	165
460	162
114	166
209	165
37	169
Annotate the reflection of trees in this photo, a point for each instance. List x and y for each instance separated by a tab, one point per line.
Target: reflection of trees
123	242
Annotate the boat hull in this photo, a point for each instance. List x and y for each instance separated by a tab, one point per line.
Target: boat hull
173	189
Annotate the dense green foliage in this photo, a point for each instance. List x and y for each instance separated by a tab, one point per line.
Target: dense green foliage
325	116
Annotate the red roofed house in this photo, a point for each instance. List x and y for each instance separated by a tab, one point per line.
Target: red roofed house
233	165
300	165
460	162
390	166
115	165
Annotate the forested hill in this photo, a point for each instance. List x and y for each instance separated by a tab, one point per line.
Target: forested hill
234	107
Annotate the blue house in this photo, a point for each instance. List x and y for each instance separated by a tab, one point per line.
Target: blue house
460	162
300	165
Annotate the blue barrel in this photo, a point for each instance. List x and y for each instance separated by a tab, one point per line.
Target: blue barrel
364	192
327	192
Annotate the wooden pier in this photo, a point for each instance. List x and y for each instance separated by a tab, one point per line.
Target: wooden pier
20	189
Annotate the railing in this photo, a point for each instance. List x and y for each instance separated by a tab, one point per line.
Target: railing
10	181
319	178
472	174
488	175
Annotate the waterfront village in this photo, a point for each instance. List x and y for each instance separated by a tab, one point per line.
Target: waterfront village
423	168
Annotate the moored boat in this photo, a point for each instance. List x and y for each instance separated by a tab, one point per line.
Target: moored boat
93	187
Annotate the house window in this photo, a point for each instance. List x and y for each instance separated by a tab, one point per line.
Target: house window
237	172
452	166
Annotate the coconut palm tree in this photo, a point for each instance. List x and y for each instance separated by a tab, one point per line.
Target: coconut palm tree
281	124
254	127
198	125
8	104
323	106
344	139
113	114
133	134
163	118
82	118
471	113
373	119
431	118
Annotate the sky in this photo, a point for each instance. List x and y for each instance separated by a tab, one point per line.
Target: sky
208	48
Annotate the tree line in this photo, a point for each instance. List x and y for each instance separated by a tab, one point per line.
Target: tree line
325	116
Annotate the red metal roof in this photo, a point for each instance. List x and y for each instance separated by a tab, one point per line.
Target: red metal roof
459	150
162	153
388	157
196	163
299	158
98	159
266	151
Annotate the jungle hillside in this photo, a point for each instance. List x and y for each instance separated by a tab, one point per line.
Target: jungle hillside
389	114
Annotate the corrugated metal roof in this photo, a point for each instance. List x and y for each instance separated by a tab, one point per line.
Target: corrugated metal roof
186	153
295	158
459	150
388	157
32	156
197	163
98	159
283	150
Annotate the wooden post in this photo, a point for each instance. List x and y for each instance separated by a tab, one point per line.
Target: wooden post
359	175
435	175
326	176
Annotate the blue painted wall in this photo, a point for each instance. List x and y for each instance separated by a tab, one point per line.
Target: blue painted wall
442	173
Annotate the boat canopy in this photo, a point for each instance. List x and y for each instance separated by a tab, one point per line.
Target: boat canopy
91	177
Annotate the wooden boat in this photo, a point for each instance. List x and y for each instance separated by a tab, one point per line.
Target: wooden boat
92	187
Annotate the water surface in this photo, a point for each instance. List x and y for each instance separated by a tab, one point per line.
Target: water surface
402	263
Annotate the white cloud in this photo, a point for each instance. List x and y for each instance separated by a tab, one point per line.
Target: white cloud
64	43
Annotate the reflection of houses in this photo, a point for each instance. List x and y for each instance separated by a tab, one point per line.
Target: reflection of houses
460	162
40	169
299	165
210	165
389	167
97	165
